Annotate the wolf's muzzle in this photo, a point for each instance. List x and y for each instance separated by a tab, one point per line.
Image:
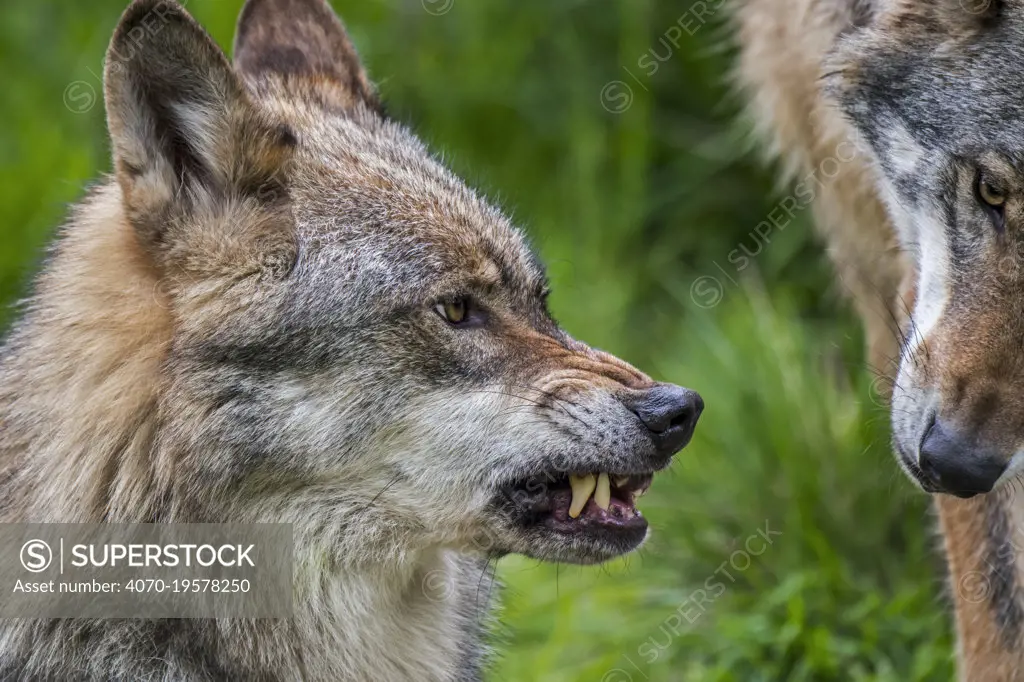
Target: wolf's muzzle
670	414
954	464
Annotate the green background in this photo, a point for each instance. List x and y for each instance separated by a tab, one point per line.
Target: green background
635	198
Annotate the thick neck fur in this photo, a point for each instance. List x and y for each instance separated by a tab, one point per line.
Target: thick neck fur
79	377
80	386
985	553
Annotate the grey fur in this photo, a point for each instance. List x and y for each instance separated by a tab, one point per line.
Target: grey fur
243	326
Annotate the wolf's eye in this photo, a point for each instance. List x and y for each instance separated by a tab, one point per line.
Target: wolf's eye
992	198
990	193
456	311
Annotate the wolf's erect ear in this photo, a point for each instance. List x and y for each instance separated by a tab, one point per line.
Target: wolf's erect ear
304	43
180	122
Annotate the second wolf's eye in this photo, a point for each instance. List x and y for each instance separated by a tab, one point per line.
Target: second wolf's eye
992	198
455	311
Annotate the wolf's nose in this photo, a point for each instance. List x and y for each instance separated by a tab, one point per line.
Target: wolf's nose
670	413
955	465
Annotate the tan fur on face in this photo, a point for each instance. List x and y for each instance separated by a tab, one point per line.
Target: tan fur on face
972	358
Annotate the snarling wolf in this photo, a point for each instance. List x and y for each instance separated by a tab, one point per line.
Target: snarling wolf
282	308
927	228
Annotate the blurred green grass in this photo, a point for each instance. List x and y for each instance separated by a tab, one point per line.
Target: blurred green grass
629	210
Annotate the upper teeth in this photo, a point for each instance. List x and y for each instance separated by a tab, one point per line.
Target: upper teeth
603	494
598	485
582	488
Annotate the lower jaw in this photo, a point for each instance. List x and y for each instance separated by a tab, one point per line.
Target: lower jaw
551	542
624	537
595	536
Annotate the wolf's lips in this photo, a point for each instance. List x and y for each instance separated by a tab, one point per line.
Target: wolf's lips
578	503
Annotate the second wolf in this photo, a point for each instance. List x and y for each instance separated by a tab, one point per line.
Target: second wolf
926	227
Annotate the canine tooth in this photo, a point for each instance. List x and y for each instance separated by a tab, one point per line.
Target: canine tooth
603	495
582	489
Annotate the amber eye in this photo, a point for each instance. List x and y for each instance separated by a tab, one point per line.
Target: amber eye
455	310
990	193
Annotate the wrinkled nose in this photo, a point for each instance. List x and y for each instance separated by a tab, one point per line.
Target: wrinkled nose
956	465
670	413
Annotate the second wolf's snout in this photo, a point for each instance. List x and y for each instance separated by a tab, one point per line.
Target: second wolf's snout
951	459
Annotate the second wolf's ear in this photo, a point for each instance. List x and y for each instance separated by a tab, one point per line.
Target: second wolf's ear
181	125
304	43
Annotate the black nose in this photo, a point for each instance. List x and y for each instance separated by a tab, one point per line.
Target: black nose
956	465
670	413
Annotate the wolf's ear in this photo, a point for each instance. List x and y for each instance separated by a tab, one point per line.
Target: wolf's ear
180	122
304	43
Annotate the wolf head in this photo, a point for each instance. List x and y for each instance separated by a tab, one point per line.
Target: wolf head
361	344
933	89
